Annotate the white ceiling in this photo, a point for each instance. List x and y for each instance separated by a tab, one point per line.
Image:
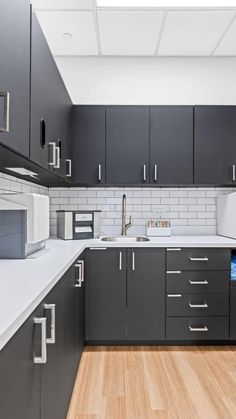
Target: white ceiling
135	31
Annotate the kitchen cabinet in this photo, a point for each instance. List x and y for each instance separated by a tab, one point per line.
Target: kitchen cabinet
106	294
15	74
125	294
43	390
197	294
145	294
89	145
171	145
20	377
214	145
233	311
53	389
127	145
50	106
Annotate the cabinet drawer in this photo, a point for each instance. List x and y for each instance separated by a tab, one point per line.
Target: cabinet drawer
198	259
197	328
197	305
194	282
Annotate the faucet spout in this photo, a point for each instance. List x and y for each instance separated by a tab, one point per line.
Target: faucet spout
125	226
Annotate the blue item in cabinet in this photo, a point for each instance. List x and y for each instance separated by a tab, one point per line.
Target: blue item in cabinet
233	268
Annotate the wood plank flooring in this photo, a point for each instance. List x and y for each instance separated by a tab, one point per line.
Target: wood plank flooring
155	382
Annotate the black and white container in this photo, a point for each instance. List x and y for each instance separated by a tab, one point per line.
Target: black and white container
78	225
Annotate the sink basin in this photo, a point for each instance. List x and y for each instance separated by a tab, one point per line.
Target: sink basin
124	239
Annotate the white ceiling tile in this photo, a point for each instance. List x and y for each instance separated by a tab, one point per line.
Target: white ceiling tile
193	32
62	4
129	32
79	24
228	44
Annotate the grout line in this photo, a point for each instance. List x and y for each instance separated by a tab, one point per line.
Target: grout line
223	35
95	15
161	32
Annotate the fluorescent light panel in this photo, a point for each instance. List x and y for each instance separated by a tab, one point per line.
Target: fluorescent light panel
166	3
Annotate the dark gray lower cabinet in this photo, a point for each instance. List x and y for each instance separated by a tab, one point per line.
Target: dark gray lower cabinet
145	294
125	294
19	376
233	312
106	294
43	390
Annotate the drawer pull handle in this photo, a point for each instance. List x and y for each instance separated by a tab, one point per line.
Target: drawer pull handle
174	249
198	282
42	359
120	261
174	295
174	272
198	259
198	329
198	305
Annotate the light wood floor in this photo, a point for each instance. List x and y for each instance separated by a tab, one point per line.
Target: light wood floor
155	382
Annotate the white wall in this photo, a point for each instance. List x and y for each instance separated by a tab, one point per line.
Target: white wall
140	80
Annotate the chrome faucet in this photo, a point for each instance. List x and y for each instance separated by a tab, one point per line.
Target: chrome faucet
125	227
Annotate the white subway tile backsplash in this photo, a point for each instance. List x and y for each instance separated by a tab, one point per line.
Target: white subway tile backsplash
190	210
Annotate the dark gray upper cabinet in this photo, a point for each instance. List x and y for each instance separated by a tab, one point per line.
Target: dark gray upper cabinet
89	145
50	106
127	145
106	294
15	74
146	294
214	145
171	145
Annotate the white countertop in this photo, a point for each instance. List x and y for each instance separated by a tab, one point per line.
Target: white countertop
25	283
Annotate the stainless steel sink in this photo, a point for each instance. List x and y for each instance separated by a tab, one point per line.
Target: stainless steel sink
124	239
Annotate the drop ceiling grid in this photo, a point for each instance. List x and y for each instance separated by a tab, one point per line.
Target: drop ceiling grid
213	35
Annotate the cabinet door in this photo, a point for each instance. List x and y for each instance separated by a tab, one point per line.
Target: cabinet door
171	145
214	145
20	377
233	312
127	145
106	294
54	397
146	294
15	74
89	144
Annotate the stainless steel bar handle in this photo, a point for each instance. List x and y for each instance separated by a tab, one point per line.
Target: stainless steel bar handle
198	305
133	261
57	165
198	329
155	172
6	98
52	308
80	266
53	146
120	261
144	172
198	259
69	174
198	282
174	249
43	358
78	284
174	295
99	173
234	172
174	272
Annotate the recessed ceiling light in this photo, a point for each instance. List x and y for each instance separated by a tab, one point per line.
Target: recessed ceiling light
67	36
166	3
